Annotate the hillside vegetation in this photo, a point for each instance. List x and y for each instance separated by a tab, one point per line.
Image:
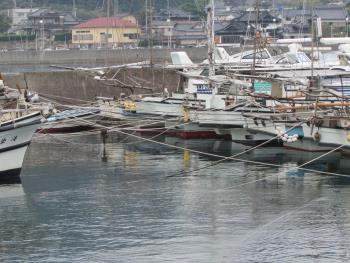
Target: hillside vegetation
93	8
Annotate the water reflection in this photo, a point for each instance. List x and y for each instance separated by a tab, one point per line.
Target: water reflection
74	207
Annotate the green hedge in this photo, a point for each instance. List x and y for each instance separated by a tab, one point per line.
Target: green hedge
63	37
9	37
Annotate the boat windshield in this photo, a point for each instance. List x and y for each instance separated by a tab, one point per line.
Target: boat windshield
302	57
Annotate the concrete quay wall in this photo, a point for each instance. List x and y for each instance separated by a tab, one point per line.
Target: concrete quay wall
95	57
72	86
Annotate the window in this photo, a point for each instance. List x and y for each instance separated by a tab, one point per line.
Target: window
131	35
230	39
302	57
87	37
259	55
282	60
83	31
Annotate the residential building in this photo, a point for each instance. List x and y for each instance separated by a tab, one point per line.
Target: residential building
244	26
104	31
334	20
163	32
225	12
19	18
175	15
19	15
49	22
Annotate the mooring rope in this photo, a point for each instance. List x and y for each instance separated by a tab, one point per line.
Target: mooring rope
231	158
235	155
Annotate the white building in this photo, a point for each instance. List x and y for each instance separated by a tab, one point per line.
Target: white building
19	15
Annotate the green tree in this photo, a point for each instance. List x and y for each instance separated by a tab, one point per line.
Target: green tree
195	7
4	23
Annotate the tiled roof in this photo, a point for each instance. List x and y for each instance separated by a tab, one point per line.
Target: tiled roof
106	22
334	13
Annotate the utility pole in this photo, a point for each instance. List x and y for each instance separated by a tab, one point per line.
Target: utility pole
171	32
211	43
108	25
14	4
74	10
116	7
108	8
146	22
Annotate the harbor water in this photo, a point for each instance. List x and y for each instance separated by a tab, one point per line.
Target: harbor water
134	201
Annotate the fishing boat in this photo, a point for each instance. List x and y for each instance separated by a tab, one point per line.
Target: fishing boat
15	136
18	122
70	121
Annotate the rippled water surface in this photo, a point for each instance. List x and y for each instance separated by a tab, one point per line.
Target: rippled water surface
129	202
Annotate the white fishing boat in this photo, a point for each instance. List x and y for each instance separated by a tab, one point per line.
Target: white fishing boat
323	138
159	106
15	136
18	122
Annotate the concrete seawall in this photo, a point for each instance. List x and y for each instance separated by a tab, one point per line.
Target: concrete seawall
67	85
95	57
81	85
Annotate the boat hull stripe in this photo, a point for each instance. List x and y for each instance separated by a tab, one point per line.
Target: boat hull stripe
14	147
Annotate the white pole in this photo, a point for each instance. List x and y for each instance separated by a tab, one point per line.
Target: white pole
211	44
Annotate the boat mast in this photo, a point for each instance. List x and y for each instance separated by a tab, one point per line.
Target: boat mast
151	32
211	43
312	46
257	34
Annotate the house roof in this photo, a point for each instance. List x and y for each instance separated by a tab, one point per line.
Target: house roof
163	23
250	17
235	27
106	22
174	12
333	13
43	12
188	26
